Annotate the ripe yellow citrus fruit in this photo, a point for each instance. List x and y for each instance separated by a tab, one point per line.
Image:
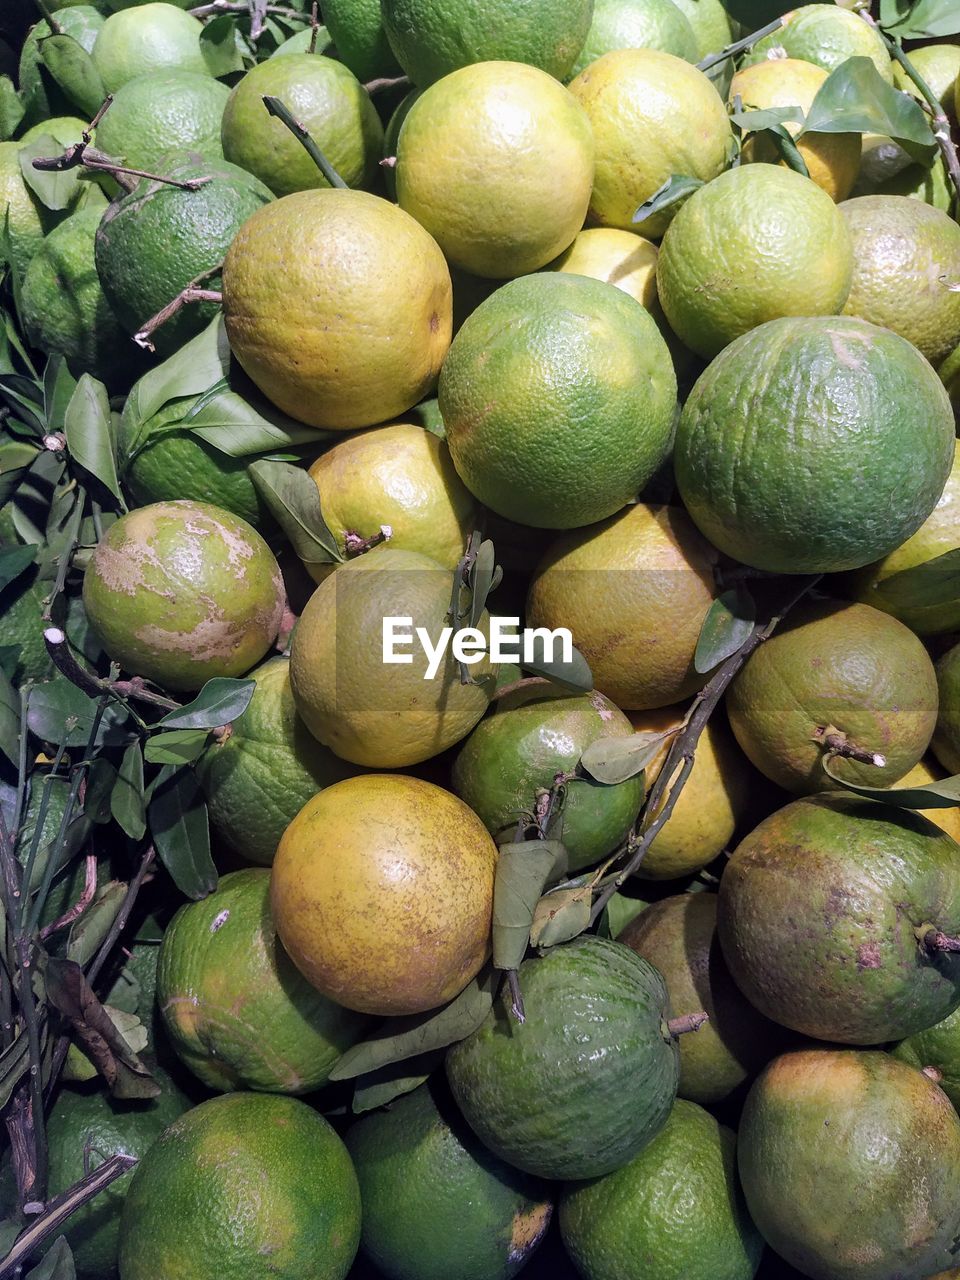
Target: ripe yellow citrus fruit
906	270
179	592
368	711
401	478
921	775
382	893
832	159
352	328
653	116
712	803
621	258
634	591
826	34
496	161
756	244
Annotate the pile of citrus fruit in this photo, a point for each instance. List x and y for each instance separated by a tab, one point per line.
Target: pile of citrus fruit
480	658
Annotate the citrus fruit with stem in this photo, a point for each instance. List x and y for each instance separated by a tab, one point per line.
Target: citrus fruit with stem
939	65
587	1079
182	591
258	778
400	477
826	35
162	112
633	1218
235	1008
848	1161
637	24
844	454
712	28
40	94
533	735
382	893
356	28
756	244
714	799
653	115
612	585
327	99
65	310
906	270
832	159
946	737
558	398
158	238
825	918
386	715
153	37
937	536
678	936
835	677
432	38
352	328
436	1203
237	1180
496	161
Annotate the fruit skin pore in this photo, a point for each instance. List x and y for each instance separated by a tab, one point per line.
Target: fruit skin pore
822	910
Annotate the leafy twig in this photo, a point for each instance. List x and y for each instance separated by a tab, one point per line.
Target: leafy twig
684	745
299	131
66	662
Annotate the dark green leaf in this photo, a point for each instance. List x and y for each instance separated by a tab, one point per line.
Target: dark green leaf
239	429
618	913
127	802
931	795
380	1087
24	398
10	659
177	817
10	1228
483	578
220	701
75	72
935	582
614	760
14	1062
560	916
293	499
729	621
856	99
57	1263
674	191
921	20
30	510
522	871
56	190
753	121
89	431
59	385
180	746
15	457
222	46
403	1038
13	562
574	674
788	149
88	933
11	109
427	415
101	780
59	712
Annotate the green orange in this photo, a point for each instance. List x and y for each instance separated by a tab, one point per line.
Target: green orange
152	37
241	1183
637	24
827	35
160	112
356	28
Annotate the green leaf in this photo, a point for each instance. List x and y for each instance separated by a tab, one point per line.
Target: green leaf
11	109
177	817
220	701
380	1087
754	121
57	1263
59	712
30	509
485	576
229	422
89	431
10	658
14	561
575	674
933	583
944	794
618	913
614	760
920	20
56	190
402	1038
674	191
101	780
222	46
59	385
127	802
16	456
856	99
788	149
75	72
728	623
180	746
293	499
560	917
87	934
10	1228
522	871
9	720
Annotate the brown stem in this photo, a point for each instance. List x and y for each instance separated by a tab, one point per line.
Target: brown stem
356	545
243	6
189	294
382	83
314	25
688	1022
66	662
516	997
836	743
60	1209
81	904
682	748
932	939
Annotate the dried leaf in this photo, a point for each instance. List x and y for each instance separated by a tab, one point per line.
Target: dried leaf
614	760
561	916
523	869
88	933
931	795
728	623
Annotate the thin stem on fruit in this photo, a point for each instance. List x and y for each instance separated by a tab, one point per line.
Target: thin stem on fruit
738	47
216	7
355	544
382	83
934	939
836	743
516	998
687	1022
314	26
81	904
190	294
